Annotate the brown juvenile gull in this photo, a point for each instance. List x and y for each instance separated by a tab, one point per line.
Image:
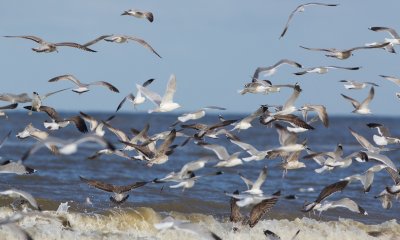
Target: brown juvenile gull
120	192
51	47
139	14
83	87
300	9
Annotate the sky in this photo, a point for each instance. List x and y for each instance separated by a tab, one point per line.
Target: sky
213	48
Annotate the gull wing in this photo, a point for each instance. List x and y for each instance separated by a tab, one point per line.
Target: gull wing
392	79
354	102
33	38
51	93
152	96
235	216
105	84
362	141
96	40
391	31
349	204
74	45
170	91
143	43
260	209
382	130
68	77
331	189
261	178
219	150
369	98
290	102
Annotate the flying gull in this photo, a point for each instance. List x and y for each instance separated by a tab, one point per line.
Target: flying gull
344	202
384	137
343	53
322	70
351	84
15	193
166	103
83	87
361	108
139	14
51	47
120	192
139	99
300	9
272	69
226	159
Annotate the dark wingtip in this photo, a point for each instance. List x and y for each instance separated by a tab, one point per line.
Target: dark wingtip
29	170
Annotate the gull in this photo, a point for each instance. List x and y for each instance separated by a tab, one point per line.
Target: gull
256	213
361	108
335	159
186	171
212	130
367	177
196	115
166	103
226	160
31	131
67	147
288	141
10	106
37	99
291	162
289	104
300	9
139	99
262	86
252	199
268	71
139	14
186	226
83	87
345	53
191	179
51	47
120	192
298	125
57	122
381	158
95	126
126	38
254	187
160	154
395	40
15	193
255	154
319	109
15	98
322	70
15	168
351	84
325	159
245	123
273	236
344	202
365	143
384	137
395	80
386	199
326	192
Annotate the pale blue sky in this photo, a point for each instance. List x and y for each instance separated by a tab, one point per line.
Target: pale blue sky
213	47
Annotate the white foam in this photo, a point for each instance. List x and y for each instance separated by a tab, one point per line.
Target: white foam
139	223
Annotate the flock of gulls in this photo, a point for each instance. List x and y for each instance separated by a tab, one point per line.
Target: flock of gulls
289	120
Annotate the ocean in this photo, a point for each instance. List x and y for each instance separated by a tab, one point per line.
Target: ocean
57	181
